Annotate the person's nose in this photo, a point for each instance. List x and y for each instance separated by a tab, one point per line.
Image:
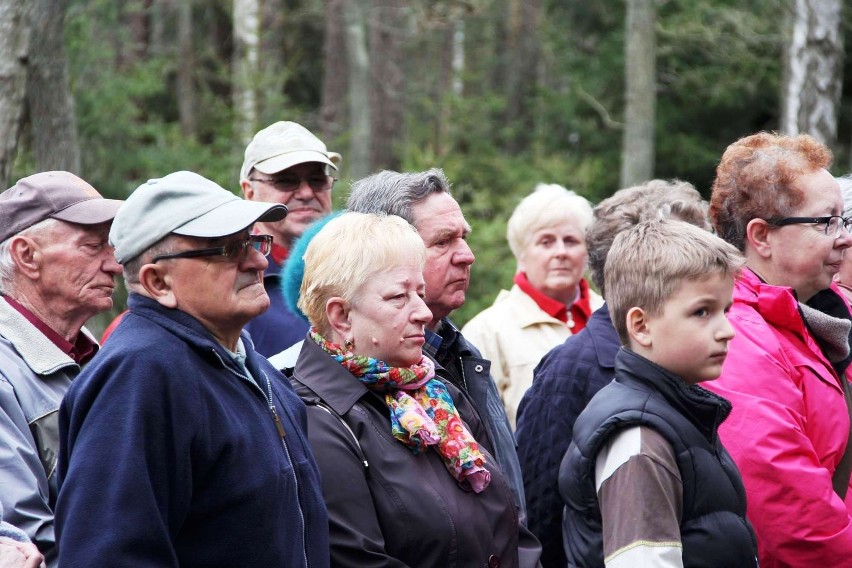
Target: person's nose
726	330
254	260
304	192
421	314
463	254
844	239
110	265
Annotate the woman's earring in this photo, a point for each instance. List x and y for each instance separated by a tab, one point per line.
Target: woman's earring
347	343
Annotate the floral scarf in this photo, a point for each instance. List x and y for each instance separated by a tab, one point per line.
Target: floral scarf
422	412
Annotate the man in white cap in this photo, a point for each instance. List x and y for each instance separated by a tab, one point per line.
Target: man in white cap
181	446
285	163
56	271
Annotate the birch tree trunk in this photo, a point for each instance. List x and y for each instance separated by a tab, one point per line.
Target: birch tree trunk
245	67
360	122
640	69
14	45
813	70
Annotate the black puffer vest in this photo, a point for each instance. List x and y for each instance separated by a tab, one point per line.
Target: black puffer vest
714	529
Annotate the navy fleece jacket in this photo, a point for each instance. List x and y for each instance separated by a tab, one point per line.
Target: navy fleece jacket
171	456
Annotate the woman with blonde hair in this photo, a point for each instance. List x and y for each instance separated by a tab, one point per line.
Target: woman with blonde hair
404	477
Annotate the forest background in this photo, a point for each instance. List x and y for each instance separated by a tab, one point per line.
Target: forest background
502	94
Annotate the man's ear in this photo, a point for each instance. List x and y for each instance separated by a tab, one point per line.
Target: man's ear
757	237
337	312
248	190
637	327
154	278
26	254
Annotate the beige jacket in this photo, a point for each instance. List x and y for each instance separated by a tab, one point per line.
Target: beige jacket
514	333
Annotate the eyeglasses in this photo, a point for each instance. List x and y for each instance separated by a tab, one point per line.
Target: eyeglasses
832	225
234	251
289	183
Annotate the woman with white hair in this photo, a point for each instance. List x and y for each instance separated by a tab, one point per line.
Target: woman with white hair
404	476
550	299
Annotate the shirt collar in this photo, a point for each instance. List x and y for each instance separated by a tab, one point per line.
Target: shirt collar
576	315
81	351
553	308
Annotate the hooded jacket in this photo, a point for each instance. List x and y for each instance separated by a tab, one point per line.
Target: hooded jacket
788	429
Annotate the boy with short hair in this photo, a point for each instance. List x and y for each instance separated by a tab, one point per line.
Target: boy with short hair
646	480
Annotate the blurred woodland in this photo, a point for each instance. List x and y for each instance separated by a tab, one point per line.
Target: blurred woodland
501	94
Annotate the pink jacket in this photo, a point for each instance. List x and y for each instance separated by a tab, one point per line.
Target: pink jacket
787	431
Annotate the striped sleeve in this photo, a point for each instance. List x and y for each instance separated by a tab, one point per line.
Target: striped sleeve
641	500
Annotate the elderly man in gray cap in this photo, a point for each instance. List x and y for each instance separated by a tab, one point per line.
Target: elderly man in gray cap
56	271
181	446
285	163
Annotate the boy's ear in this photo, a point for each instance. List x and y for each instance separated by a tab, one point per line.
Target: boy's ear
637	327
757	236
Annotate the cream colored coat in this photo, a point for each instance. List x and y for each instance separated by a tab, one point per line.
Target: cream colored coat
514	333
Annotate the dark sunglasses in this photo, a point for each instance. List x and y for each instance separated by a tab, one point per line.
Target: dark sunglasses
234	251
291	183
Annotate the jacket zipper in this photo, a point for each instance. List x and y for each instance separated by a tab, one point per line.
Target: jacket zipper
280	427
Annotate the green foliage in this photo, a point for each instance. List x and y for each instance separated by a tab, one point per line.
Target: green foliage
718	78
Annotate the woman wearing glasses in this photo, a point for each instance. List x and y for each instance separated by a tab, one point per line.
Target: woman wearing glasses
404	478
787	367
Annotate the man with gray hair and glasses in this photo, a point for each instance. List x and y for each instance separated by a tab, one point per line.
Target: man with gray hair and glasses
56	272
423	199
181	445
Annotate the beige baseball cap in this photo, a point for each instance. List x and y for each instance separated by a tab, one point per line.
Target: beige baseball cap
183	203
283	145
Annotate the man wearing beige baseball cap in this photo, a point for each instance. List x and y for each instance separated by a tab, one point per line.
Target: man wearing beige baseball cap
181	446
285	163
57	270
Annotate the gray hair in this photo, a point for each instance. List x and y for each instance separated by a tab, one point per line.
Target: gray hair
846	191
393	193
132	267
7	264
656	199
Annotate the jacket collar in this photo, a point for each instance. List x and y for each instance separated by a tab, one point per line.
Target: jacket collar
524	310
332	383
40	354
192	332
604	337
776	304
703	408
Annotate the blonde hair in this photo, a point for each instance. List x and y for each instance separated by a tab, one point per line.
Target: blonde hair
648	262
547	206
347	252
